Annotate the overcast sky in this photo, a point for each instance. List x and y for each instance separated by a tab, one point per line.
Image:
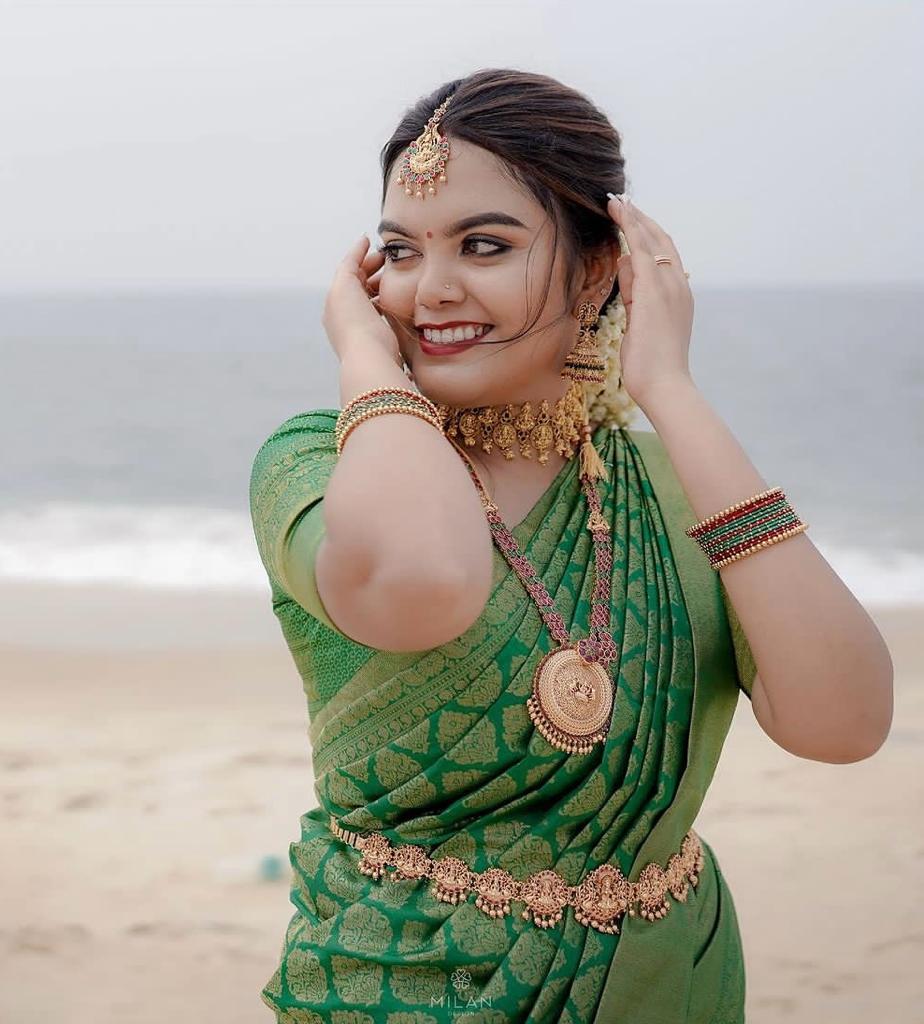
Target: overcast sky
152	144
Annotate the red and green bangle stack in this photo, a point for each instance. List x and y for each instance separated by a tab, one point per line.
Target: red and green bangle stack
749	526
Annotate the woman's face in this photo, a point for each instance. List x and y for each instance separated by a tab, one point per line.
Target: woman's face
493	279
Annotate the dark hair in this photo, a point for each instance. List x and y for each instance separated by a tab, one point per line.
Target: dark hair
551	139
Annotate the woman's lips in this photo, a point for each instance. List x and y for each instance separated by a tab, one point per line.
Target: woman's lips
438	349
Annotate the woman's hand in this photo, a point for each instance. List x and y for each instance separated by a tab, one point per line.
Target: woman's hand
659	308
351	314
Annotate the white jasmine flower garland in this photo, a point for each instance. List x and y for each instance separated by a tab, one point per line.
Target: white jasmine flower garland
610	402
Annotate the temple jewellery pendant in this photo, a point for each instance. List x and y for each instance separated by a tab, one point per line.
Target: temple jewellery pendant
572	699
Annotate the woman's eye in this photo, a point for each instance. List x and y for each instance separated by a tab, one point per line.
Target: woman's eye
495	246
391	249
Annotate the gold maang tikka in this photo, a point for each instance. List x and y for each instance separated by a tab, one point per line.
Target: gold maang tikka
425	158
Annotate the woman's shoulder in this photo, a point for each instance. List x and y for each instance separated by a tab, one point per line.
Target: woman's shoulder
644	436
655	466
301	426
296	458
645	445
288	476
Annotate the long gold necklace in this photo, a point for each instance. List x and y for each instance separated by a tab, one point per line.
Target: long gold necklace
572	697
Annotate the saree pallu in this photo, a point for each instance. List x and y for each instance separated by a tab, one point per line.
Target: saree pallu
436	748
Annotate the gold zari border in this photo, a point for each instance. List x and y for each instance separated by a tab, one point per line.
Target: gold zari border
599	900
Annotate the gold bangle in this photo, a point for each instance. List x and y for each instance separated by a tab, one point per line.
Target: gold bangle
377	401
381	410
397	391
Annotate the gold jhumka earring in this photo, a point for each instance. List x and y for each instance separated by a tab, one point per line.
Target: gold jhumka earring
585	365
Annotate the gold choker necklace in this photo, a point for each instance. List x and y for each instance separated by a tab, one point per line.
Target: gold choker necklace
512	427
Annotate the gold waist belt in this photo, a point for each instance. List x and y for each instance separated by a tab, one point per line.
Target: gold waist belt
599	899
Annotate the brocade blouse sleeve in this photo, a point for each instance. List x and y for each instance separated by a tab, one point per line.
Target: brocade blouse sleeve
744	658
287	484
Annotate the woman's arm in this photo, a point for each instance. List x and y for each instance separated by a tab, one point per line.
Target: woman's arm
406	560
824	685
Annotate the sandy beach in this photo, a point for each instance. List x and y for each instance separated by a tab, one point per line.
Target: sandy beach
154	753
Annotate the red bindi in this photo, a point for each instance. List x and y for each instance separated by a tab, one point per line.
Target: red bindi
429	234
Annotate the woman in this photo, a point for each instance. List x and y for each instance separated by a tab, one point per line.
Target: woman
420	625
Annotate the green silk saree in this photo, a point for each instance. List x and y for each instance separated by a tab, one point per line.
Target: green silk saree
436	748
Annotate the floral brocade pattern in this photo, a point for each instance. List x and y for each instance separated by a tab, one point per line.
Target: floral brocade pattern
436	748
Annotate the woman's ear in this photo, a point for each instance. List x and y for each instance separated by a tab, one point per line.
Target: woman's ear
599	273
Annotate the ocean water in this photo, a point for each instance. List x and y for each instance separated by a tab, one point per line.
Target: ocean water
130	423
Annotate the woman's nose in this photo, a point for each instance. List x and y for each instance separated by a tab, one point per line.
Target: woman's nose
435	286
